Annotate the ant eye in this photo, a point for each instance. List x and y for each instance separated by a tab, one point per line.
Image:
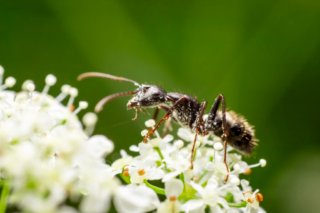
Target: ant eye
144	89
236	130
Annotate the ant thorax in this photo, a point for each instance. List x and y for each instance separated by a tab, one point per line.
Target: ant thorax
185	112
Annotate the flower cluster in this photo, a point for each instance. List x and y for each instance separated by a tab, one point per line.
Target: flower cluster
51	162
48	160
163	164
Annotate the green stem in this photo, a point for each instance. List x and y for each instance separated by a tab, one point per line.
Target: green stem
4	196
238	205
157	149
181	176
157	189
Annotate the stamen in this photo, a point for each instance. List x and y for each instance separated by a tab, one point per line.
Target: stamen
125	172
8	83
89	120
65	89
50	81
73	92
1	74
259	197
248	171
172	198
28	86
261	163
141	172
82	105
250	200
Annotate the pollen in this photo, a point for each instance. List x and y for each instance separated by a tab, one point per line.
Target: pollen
71	108
259	197
125	172
247	171
250	200
141	172
172	198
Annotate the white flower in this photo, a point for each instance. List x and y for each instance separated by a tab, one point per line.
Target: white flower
199	189
173	189
45	154
135	199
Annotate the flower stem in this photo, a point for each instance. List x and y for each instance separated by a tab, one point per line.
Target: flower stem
157	149
238	205
4	196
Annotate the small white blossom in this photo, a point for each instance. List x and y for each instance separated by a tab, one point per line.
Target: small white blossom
191	190
47	158
135	199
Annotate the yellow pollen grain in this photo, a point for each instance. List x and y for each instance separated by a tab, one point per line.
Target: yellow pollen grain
125	172
173	198
259	197
250	200
71	108
247	171
141	172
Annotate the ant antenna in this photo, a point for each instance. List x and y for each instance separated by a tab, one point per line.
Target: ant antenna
108	98
107	76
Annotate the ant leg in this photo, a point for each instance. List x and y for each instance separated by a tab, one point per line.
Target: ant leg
155	114
164	118
212	115
193	149
199	129
167	125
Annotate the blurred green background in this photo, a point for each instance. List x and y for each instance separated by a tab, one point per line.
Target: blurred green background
262	55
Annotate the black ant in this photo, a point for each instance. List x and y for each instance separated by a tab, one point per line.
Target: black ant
232	128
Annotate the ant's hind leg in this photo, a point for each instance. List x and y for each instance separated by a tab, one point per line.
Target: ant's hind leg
212	115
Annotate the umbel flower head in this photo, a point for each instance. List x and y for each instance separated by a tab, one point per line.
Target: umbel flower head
51	162
48	160
165	161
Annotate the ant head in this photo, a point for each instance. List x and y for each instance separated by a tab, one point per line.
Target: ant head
144	96
147	96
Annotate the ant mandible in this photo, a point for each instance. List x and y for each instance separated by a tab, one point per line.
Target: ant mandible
232	128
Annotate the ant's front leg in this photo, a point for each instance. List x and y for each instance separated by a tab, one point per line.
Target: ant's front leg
164	118
155	113
212	115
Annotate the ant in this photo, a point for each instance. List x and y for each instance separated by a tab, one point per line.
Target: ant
232	128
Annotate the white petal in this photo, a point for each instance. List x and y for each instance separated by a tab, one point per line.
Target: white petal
185	134
135	199
193	206
173	187
96	203
100	145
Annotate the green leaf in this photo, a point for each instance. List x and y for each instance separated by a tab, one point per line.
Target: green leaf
157	189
